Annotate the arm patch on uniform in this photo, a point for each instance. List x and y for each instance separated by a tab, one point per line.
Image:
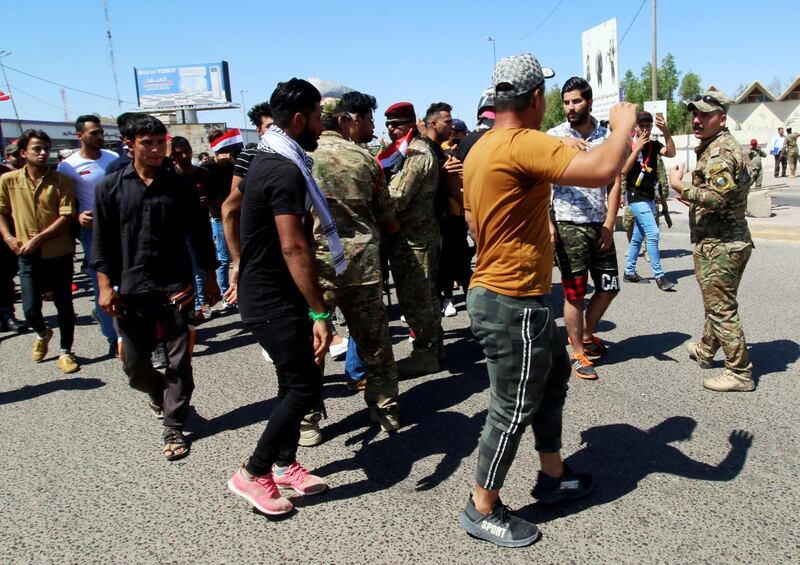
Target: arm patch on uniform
720	178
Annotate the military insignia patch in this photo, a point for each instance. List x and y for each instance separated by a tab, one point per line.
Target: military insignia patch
721	178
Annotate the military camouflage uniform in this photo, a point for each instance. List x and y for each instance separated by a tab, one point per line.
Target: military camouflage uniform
722	246
756	168
352	182
414	251
790	148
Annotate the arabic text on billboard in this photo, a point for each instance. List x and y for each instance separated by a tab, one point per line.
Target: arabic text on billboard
600	66
205	84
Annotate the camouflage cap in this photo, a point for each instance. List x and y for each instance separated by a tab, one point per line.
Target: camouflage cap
332	108
709	101
517	75
11	148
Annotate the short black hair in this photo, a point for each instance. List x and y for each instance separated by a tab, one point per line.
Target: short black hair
29	134
516	104
293	96
180	141
123	119
359	103
435	108
80	123
579	84
262	110
142	124
214	134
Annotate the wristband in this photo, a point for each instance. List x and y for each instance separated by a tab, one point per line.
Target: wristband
318	317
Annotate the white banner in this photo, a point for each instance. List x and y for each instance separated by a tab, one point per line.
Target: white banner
656	107
601	67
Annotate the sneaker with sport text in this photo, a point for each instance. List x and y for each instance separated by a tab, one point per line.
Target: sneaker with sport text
582	367
260	492
296	477
500	526
550	490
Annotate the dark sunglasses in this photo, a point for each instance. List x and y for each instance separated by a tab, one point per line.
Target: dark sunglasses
708	99
396	123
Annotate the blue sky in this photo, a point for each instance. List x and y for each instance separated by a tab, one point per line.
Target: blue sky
413	50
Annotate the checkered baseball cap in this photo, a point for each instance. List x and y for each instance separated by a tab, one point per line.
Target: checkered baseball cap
517	75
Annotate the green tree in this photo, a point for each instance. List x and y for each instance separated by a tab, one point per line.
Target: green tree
554	109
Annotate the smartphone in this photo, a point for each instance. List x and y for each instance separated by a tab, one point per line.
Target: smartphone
660	115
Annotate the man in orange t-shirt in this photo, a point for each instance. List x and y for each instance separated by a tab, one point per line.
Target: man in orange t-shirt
506	199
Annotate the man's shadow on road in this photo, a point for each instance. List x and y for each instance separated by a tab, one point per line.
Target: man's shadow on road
619	456
644	346
30	392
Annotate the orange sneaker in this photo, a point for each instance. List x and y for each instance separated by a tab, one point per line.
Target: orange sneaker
582	367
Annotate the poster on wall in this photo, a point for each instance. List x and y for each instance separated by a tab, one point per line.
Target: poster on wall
205	85
601	66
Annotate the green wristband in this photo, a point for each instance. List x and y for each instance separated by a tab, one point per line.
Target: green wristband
318	317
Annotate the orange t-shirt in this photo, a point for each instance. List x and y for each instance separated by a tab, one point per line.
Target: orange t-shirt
507	178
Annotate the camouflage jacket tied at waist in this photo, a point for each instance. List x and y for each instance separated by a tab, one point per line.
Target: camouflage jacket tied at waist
718	193
413	189
352	182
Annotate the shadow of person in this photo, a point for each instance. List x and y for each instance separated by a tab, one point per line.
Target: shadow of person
241	417
29	392
773	356
620	456
643	346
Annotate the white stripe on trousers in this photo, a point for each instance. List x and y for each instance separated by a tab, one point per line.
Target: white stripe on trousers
525	374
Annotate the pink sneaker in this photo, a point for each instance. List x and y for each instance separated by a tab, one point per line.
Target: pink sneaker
296	477
261	492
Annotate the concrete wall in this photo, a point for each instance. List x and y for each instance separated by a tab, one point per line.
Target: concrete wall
764	115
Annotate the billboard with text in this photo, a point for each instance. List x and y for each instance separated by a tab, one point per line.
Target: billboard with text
205	85
601	66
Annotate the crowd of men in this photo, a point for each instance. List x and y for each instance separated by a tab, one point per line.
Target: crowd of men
309	221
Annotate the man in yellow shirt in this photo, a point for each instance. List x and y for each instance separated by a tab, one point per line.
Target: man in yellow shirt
506	200
41	203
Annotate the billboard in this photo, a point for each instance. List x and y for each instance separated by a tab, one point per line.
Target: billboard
206	85
601	66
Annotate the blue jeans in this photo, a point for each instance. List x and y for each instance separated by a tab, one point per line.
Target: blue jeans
646	229
106	322
223	255
353	365
199	282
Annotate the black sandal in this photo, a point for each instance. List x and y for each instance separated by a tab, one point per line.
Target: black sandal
179	446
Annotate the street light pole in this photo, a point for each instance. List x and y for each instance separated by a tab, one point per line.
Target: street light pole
8	87
655	58
244	112
494	48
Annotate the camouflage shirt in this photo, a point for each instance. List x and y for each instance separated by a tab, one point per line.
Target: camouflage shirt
352	182
755	155
790	143
413	189
718	193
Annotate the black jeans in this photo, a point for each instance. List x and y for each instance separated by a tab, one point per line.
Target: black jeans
139	328
287	338
454	260
9	266
37	275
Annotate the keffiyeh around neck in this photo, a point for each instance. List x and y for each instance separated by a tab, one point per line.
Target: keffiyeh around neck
275	140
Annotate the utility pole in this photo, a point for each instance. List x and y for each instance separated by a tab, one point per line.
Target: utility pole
244	112
113	59
655	58
64	104
494	50
8	87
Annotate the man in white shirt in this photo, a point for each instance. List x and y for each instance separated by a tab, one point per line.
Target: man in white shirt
87	167
776	150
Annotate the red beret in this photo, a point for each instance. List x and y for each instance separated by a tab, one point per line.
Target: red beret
401	110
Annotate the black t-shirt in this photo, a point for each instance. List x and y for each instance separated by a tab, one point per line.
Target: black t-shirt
466	144
274	186
646	191
219	186
200	178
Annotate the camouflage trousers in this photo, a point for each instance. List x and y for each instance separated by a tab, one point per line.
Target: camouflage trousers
757	178
414	268
719	267
791	158
368	325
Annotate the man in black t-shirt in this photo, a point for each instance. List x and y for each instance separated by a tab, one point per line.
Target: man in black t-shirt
641	176
280	300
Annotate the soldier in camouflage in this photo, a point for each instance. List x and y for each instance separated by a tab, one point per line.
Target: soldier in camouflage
790	148
414	251
717	200
352	182
756	168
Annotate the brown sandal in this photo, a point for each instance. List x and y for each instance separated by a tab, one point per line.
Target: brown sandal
175	445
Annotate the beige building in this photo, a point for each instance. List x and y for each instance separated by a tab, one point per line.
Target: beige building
759	110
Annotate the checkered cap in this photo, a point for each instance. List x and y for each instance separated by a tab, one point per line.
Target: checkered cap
517	75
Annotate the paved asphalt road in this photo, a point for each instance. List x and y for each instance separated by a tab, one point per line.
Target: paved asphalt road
83	480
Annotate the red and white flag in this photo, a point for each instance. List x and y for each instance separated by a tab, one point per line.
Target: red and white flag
393	154
231	142
4	97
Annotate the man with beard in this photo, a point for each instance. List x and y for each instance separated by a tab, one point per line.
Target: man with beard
279	295
413	252
87	167
722	244
583	226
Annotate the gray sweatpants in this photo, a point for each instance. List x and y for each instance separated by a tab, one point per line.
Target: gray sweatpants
528	373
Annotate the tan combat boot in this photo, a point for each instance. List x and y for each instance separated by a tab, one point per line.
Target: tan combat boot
728	381
420	362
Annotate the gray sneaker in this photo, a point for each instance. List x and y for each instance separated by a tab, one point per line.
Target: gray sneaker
728	381
388	420
500	526
693	348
